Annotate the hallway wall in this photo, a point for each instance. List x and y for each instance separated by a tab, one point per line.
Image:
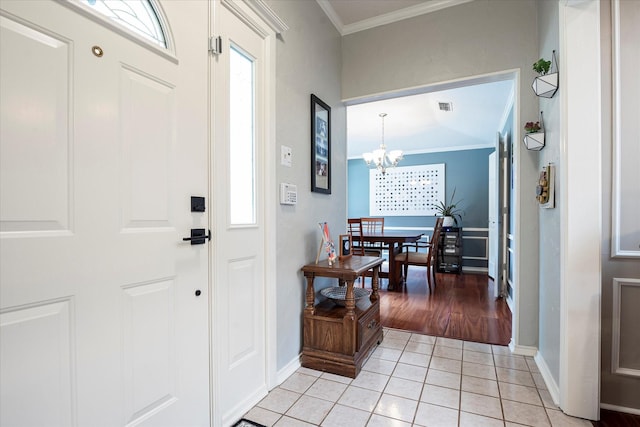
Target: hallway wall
308	61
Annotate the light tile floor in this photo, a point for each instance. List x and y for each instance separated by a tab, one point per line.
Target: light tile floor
418	380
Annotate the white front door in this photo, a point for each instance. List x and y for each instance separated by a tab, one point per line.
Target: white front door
240	184
104	309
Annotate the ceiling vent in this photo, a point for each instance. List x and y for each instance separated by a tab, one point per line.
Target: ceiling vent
445	106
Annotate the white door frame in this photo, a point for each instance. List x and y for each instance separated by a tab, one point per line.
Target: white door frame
581	207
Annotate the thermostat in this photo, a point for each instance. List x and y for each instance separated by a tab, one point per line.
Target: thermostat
288	194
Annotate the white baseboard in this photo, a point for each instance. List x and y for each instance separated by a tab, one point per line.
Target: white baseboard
616	408
233	415
287	371
475	269
551	384
523	350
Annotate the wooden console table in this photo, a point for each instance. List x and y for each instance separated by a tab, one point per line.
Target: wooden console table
338	339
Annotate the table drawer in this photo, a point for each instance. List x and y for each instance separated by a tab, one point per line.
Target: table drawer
368	326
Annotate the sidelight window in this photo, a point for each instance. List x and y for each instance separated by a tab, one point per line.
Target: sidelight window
242	165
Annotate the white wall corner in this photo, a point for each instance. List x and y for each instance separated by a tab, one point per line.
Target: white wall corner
288	370
552	385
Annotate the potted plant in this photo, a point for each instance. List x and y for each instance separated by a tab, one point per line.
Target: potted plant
546	84
534	136
449	211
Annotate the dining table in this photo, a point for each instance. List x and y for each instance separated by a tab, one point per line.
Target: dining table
393	241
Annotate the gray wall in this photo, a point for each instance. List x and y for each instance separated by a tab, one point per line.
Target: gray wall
480	37
308	61
615	389
549	221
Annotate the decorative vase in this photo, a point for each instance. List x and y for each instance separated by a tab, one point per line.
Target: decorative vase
534	141
546	85
448	221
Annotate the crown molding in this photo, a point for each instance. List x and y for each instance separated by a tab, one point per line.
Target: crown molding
332	15
268	15
399	15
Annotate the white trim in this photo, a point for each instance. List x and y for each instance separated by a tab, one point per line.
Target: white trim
475	269
617	408
522	350
580	191
267	14
551	384
510	300
252	20
387	18
469	229
473	80
507	110
437	150
271	211
234	414
515	214
332	15
288	370
486	247
399	15
618	283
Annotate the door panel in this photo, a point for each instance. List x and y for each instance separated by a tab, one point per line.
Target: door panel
239	266
102	155
38	109
39	338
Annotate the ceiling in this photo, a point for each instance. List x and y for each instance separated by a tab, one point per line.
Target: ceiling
414	122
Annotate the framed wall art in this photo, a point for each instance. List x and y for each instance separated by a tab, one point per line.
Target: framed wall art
320	146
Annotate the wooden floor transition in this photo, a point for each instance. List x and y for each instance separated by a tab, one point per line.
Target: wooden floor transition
460	307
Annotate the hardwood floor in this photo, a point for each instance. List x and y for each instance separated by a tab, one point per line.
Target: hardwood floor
616	419
460	307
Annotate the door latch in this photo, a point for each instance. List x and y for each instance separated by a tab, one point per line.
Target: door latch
198	236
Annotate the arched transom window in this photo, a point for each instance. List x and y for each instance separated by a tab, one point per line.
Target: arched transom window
137	15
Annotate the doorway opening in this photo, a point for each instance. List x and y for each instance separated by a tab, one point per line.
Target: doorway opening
480	120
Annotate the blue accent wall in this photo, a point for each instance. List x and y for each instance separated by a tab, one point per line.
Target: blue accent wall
466	171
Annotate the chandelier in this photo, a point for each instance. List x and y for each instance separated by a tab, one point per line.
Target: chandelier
380	158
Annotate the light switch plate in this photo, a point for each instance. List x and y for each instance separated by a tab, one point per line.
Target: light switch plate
285	155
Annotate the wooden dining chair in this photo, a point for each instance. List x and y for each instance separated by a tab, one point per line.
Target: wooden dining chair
354	228
358	246
369	226
422	253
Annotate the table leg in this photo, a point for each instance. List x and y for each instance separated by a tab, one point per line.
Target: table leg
393	275
350	301
310	296
374	283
